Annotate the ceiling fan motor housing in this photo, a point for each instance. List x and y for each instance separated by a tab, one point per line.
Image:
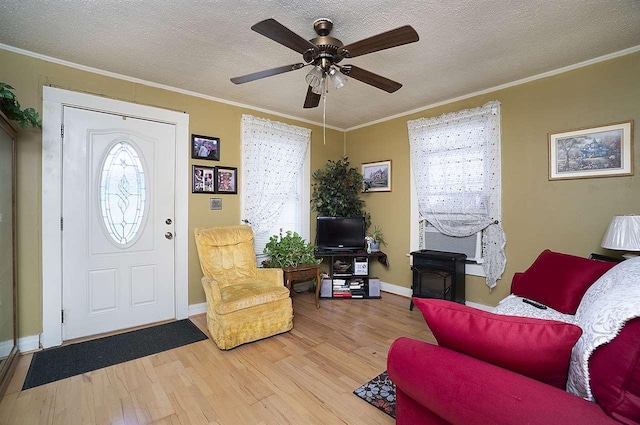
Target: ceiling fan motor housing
323	26
326	52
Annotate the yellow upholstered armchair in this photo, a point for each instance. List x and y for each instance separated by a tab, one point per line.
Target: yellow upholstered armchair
244	303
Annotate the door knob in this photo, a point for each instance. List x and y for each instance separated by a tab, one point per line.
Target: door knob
168	235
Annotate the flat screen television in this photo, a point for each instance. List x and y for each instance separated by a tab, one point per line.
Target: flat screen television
340	233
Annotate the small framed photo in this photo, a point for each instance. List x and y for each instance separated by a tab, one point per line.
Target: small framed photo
202	179
377	176
226	180
602	151
205	147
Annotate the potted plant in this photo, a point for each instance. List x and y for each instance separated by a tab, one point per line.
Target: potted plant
336	191
11	107
289	250
375	239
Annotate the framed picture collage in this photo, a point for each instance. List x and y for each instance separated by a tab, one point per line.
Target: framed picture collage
211	179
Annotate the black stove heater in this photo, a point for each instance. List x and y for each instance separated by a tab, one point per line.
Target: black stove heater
438	274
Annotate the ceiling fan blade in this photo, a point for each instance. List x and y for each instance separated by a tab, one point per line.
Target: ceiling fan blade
266	73
274	30
312	100
370	78
386	40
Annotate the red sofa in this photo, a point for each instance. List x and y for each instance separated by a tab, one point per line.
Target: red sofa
510	369
435	385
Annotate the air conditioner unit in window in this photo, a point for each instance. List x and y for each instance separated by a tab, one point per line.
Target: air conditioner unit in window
469	245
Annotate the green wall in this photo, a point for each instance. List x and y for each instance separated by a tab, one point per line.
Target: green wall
29	75
569	216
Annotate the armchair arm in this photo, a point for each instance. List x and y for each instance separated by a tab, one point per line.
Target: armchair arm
464	390
211	290
274	276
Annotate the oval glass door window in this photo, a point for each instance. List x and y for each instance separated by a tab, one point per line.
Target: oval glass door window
123	194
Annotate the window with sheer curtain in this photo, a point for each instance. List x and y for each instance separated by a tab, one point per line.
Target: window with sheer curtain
275	179
455	160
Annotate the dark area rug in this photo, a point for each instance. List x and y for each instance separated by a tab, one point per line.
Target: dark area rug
380	392
58	363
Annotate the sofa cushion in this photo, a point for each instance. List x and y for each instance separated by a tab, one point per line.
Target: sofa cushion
249	294
226	253
559	280
614	369
539	349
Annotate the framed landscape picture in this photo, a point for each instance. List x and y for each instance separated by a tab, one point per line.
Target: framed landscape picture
202	179
226	180
603	151
205	147
377	176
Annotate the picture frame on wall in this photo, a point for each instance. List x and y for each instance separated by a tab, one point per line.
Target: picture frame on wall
601	151
226	180
205	147
377	176
202	179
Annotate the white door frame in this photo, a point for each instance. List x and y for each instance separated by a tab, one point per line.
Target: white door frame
52	106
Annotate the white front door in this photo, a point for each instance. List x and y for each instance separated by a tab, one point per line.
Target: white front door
117	221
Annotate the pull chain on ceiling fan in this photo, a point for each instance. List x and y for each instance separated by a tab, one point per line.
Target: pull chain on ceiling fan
324	53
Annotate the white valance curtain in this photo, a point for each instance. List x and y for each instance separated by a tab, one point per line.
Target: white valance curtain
456	168
272	158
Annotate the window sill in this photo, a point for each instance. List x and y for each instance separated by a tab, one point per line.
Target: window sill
474	269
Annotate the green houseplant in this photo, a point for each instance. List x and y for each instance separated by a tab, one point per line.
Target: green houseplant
11	107
289	250
377	239
336	191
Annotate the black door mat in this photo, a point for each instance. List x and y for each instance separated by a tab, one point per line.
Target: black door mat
58	363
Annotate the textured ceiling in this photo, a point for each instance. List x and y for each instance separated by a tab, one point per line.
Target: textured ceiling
464	47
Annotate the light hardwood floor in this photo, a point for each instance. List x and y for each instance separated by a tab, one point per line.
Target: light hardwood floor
305	376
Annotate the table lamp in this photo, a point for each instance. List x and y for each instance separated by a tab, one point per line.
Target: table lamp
623	234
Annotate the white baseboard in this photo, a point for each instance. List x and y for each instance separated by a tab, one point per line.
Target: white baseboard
384	286
29	343
395	289
195	309
480	306
407	292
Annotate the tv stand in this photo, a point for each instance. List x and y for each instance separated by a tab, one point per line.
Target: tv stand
349	274
337	252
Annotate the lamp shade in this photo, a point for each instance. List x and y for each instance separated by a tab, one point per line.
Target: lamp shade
623	233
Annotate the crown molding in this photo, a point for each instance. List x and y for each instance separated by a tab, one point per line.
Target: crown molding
614	55
156	85
603	58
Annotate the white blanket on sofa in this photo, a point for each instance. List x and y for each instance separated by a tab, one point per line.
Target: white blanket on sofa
608	304
513	306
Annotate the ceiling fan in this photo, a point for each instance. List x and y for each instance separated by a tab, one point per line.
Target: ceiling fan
325	53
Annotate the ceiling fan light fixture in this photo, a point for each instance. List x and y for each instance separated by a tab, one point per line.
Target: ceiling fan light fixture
338	79
320	88
314	77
